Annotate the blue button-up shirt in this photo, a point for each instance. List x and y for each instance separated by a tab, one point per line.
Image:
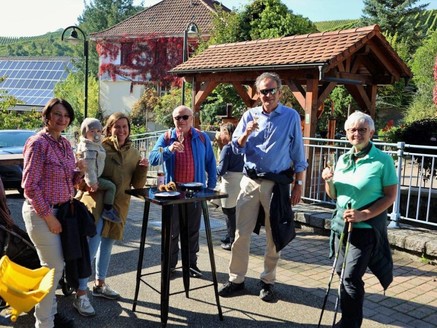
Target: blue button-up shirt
276	145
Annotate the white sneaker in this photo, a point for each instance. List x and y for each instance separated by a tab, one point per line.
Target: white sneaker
83	306
105	291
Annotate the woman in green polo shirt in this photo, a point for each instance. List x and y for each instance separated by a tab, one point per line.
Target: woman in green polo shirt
364	187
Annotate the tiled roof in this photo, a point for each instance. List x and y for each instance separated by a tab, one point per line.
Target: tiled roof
326	49
168	17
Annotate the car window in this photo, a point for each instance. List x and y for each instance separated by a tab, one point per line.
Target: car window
14	139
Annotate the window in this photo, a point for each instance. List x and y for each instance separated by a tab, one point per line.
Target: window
126	50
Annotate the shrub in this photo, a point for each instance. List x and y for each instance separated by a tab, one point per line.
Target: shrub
423	132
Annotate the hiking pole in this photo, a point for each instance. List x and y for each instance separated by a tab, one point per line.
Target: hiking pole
343	268
332	275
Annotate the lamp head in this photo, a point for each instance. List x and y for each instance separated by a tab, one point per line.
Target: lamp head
73	38
192	29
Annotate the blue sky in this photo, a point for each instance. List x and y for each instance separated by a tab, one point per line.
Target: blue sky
37	17
321	10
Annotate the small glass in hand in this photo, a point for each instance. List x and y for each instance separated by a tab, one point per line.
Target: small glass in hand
256	118
181	139
143	150
330	161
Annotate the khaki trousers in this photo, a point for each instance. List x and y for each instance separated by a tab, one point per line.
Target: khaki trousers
253	194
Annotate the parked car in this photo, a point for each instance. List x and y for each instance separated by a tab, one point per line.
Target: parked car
12	142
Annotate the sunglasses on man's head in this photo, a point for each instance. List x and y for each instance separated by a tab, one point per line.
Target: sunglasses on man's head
184	117
272	91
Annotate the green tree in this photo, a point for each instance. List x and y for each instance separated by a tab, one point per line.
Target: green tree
423	76
143	107
30	120
101	14
257	20
12	119
6	100
226	27
263	19
397	17
162	112
72	89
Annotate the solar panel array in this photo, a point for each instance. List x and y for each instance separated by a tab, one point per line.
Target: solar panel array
32	80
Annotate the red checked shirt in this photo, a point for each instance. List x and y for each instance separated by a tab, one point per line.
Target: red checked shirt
48	172
184	164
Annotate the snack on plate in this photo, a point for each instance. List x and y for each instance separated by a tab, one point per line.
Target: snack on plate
171	186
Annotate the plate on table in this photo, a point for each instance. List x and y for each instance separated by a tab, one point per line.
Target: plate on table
167	194
192	185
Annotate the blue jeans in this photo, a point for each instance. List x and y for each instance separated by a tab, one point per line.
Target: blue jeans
100	252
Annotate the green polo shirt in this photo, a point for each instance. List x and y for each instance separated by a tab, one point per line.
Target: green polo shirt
362	182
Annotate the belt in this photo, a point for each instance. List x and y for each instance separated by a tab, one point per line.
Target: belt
52	205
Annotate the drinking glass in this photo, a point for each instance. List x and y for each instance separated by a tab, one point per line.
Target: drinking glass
330	161
143	149
181	138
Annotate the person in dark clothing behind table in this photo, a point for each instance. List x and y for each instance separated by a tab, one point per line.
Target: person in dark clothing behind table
270	138
365	178
230	169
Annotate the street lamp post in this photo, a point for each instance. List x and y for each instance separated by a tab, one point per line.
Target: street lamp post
190	30
74	39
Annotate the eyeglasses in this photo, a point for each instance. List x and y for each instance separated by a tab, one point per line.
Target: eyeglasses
360	130
184	117
272	91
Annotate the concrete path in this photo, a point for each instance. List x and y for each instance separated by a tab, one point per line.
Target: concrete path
303	272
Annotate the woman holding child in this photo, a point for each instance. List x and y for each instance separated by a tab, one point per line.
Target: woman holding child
125	168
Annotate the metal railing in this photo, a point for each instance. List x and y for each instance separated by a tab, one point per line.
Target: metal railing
416	169
144	143
146	140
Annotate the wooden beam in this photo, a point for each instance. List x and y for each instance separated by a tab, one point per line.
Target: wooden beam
385	60
360	95
245	94
324	91
311	96
372	91
204	91
298	91
248	77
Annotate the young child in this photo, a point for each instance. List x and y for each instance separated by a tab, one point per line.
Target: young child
91	150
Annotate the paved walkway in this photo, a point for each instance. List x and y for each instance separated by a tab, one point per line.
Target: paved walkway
303	272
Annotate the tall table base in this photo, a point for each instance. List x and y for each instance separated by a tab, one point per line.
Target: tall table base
167	213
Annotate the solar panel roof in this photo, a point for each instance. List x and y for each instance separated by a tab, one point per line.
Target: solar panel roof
31	79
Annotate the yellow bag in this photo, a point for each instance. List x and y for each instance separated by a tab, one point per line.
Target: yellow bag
21	287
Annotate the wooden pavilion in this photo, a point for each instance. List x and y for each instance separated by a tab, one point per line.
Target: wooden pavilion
311	65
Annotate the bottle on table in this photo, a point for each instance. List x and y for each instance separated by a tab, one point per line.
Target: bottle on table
160	173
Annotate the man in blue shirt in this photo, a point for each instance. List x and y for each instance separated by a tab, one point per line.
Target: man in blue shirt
270	138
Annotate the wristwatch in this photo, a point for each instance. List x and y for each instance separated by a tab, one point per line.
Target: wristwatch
299	182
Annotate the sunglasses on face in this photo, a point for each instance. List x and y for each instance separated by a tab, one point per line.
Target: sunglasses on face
272	91
184	117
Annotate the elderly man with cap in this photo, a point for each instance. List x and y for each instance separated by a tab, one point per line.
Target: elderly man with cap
91	150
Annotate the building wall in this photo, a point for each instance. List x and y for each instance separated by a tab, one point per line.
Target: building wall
117	96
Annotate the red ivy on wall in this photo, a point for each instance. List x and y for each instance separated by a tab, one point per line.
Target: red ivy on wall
149	58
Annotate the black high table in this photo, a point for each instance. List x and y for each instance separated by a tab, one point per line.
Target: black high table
185	197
